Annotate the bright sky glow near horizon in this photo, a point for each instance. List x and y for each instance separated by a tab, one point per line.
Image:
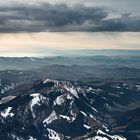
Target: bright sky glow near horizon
37	26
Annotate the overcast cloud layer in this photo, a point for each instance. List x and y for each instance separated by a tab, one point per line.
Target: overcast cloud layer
63	17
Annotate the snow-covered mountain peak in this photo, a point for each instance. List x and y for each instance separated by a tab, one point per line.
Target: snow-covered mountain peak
60	110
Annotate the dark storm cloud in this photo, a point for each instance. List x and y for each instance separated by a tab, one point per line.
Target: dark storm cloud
124	23
61	17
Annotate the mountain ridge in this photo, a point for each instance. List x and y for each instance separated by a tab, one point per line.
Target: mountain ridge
53	109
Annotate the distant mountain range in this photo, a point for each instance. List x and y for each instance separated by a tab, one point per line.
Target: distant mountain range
28	63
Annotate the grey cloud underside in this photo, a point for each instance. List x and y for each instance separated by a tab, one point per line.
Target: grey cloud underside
61	17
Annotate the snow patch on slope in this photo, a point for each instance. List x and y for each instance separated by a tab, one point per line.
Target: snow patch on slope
72	90
7	113
37	100
53	135
69	119
114	137
59	100
51	118
31	138
49	80
86	126
98	138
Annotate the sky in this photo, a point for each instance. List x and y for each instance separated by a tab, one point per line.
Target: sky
31	26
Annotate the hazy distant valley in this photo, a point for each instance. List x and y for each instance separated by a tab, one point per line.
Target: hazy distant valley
82	65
